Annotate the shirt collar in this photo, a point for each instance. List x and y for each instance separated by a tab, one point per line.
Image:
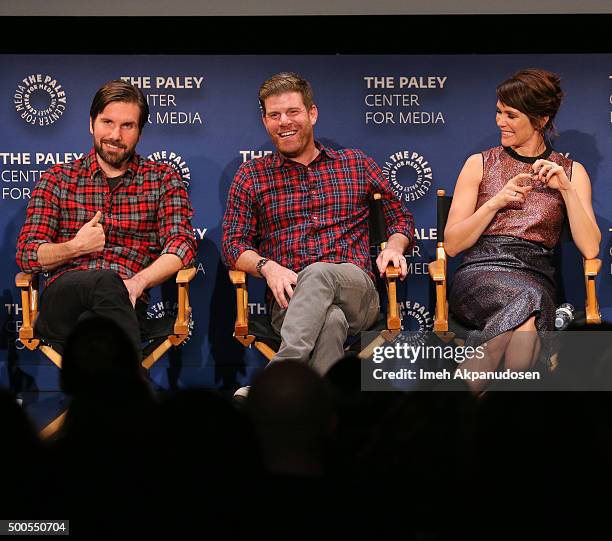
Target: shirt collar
278	160
91	163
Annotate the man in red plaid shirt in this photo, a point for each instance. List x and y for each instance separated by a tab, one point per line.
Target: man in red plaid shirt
106	227
299	219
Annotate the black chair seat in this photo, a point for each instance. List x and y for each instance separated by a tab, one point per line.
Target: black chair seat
261	328
159	327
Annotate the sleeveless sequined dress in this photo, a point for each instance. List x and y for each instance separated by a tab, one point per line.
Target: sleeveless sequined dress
508	275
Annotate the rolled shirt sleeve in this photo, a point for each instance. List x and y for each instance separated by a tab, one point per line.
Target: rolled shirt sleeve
41	223
174	214
239	221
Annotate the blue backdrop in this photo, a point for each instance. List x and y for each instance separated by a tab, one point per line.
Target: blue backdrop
419	117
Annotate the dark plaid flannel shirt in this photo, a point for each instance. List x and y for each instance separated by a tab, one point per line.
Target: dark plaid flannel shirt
147	214
297	215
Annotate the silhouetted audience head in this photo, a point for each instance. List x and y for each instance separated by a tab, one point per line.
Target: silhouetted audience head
111	401
22	462
322	442
206	449
199	426
293	415
345	375
104	447
17	430
99	358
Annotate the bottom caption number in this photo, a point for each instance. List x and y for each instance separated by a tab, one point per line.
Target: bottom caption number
34	527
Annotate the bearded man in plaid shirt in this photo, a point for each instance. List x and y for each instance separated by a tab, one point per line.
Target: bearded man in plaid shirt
106	227
299	219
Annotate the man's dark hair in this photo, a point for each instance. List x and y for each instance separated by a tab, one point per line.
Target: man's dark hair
286	81
119	90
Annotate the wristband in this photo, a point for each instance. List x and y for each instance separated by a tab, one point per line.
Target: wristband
260	264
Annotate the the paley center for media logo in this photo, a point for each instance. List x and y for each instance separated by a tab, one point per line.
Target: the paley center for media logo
409	174
174	160
40	99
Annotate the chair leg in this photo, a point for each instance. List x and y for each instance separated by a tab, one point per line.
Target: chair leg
368	351
265	350
157	354
52	355
53	426
445	336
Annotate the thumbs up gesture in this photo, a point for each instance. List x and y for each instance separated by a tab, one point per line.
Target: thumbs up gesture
90	238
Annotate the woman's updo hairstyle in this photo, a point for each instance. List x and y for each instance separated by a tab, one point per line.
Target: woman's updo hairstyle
536	93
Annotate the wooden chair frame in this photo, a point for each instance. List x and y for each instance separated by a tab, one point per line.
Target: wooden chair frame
393	320
241	326
438	268
29	286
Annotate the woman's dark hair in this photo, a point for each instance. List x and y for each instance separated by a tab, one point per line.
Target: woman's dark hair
536	93
119	90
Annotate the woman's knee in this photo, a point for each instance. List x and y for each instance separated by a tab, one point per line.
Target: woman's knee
527	325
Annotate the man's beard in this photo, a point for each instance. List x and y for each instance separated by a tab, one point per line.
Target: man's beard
302	144
114	159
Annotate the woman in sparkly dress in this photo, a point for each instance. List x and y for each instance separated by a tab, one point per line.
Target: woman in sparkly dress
507	213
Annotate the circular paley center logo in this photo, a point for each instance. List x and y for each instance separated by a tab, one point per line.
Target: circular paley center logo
40	99
174	160
417	322
409	174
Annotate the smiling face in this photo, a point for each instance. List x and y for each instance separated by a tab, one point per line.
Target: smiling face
517	130
289	124
115	135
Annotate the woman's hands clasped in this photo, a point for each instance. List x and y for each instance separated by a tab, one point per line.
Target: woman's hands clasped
517	188
551	174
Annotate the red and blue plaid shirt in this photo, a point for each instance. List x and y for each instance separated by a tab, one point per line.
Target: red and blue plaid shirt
297	215
147	214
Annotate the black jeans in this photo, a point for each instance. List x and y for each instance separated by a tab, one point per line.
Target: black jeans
78	294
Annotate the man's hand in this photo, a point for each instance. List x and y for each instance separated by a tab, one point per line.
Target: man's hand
90	238
280	281
135	286
391	255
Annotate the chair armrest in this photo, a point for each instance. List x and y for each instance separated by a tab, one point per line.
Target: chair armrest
437	270
183	316
392	272
592	267
591	304
184	276
28	283
239	279
394	322
23	279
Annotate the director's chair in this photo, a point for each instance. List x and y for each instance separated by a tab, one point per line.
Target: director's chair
158	334
448	328
256	330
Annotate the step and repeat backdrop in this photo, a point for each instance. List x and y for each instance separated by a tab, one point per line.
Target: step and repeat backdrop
419	117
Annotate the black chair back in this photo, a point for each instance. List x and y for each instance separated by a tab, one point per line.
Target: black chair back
378	227
566	232
442	209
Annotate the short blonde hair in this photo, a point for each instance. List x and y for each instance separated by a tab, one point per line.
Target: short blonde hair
286	81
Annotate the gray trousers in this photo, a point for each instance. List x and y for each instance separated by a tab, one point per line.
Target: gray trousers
330	302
